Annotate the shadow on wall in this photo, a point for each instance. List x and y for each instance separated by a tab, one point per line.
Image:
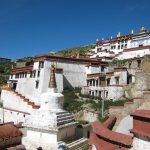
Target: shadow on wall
66	83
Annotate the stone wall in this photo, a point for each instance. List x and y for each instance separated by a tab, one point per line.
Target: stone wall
66	133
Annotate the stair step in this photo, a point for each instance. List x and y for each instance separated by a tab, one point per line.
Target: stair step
26	100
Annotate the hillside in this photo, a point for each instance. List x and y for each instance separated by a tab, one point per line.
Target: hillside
82	50
5	72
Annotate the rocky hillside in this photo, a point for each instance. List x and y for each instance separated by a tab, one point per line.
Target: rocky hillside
71	52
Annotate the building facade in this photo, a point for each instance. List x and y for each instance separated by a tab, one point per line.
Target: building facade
123	46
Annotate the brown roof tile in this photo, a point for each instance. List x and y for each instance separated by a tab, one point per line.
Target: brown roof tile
8	130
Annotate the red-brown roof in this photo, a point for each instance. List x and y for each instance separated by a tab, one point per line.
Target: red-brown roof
141	113
95	75
65	59
8	130
146	92
109	123
118	69
105	139
141	123
103	132
22	69
137	48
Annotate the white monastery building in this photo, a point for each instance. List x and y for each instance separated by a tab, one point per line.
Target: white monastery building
123	46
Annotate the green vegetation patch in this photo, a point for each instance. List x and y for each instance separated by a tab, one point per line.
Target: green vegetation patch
70	101
81	50
5	70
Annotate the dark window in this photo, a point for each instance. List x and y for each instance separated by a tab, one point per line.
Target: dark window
102	81
130	64
31	74
138	63
106	94
108	81
37	84
96	82
117	80
102	68
41	64
93	82
100	93
25	74
99	49
38	75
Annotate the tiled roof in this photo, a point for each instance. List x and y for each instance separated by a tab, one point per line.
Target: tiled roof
105	139
8	130
22	69
136	48
67	59
141	123
103	132
141	113
109	123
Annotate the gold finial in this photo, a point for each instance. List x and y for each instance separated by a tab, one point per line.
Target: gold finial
143	30
52	81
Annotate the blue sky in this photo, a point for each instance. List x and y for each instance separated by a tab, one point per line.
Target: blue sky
30	27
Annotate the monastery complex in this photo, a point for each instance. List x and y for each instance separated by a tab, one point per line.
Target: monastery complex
116	69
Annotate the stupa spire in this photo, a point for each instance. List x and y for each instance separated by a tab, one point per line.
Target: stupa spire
52	81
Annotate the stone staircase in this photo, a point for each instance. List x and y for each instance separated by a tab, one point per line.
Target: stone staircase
122	111
64	117
34	106
15	101
79	144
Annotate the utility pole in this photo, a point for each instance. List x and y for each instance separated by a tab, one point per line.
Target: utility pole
103	99
3	112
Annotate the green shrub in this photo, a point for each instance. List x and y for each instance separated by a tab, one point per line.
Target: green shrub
102	119
70	101
82	122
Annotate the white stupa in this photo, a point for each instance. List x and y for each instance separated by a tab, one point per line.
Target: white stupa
50	124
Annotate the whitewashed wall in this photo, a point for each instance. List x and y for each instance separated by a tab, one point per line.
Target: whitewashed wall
122	78
114	92
140	41
74	74
12	116
35	139
93	69
139	144
11	101
132	54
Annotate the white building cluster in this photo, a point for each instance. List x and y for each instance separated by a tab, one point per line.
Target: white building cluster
123	46
35	103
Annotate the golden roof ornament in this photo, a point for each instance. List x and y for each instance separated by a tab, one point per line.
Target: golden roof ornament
52	81
143	30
